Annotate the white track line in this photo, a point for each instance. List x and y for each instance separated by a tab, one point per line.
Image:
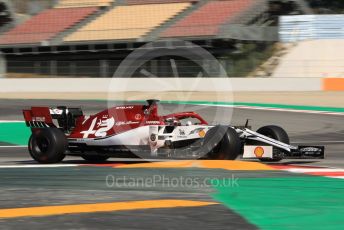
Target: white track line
13	146
38	166
317	142
336	177
324	172
291	110
276	109
5	121
314	170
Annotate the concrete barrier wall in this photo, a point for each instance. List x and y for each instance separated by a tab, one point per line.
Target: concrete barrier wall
159	84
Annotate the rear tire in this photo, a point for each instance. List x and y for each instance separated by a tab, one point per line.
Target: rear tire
222	143
95	158
277	133
48	146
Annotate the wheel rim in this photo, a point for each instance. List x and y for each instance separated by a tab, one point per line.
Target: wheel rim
42	144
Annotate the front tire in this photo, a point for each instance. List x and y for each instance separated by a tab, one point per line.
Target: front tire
48	146
222	143
277	133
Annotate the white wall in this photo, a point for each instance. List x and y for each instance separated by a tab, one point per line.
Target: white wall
316	58
158	84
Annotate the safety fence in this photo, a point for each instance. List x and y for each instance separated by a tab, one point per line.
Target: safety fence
306	27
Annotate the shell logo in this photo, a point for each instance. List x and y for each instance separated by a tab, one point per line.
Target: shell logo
201	133
259	152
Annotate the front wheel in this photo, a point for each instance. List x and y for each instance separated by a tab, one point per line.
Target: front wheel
48	145
222	143
277	133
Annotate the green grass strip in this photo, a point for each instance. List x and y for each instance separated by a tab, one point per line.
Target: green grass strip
263	105
15	133
249	104
286	203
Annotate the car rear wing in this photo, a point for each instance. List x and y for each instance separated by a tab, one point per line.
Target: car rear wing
38	117
42	117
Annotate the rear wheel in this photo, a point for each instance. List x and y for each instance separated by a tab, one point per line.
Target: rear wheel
277	133
95	158
222	143
48	146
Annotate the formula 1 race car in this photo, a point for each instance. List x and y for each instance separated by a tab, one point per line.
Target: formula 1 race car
138	130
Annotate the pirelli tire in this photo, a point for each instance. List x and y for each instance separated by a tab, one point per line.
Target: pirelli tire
277	133
48	146
222	143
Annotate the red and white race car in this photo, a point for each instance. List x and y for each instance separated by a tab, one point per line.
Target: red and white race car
138	130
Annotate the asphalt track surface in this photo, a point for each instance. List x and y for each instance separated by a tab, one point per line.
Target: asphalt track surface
32	187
